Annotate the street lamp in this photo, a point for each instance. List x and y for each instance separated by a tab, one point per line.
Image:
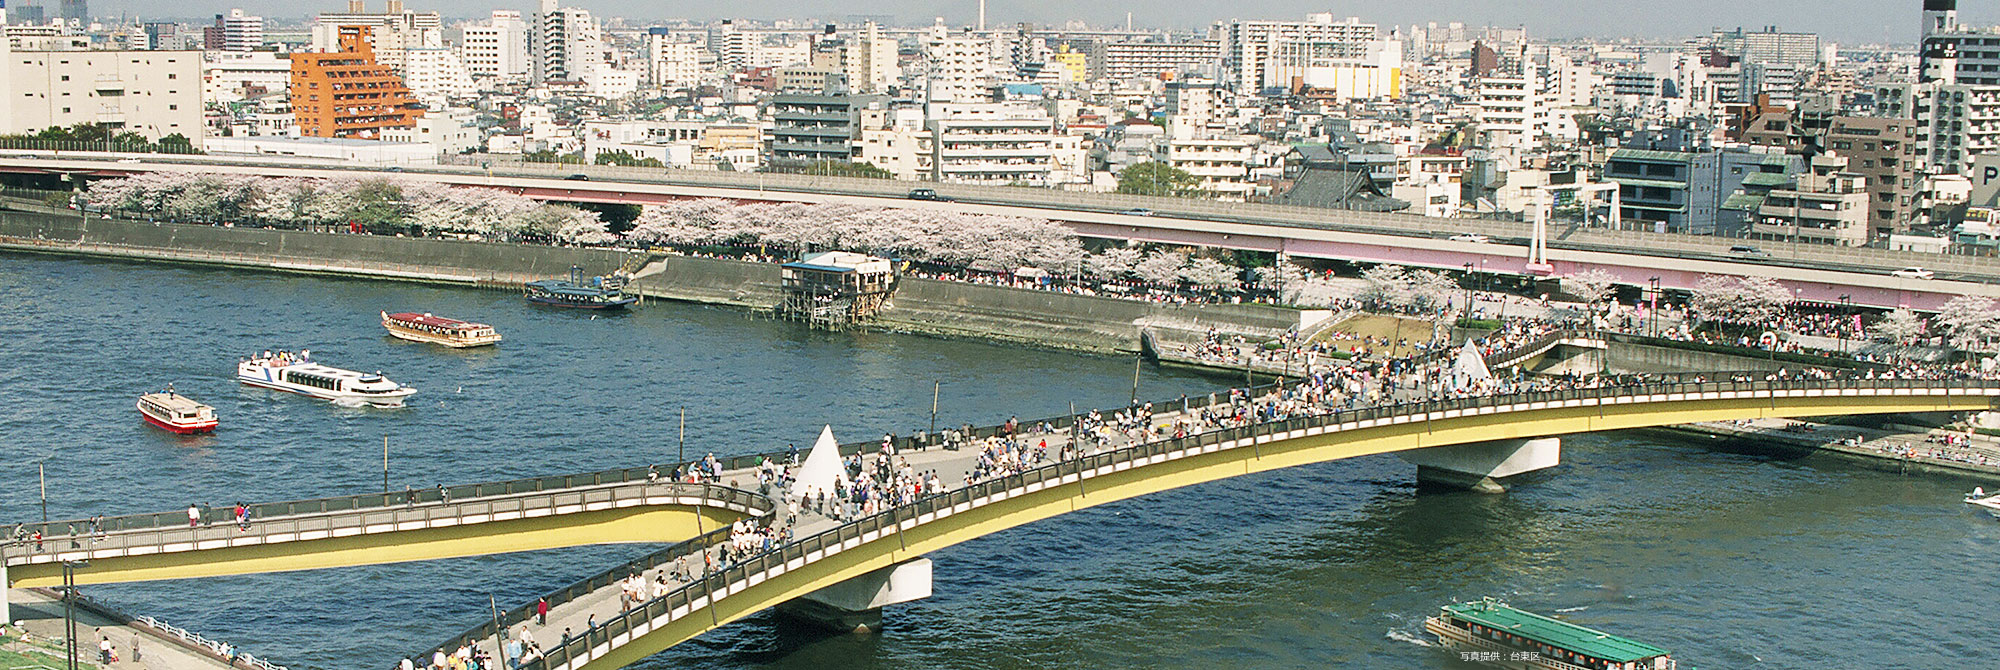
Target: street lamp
1846	306
1653	311
1468	289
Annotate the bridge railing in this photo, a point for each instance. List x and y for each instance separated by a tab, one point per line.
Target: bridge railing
704	591
335	517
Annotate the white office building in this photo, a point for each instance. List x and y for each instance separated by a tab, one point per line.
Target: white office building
152	93
497	49
229	76
436	76
672	62
242	32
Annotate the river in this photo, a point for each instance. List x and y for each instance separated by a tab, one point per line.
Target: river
1733	557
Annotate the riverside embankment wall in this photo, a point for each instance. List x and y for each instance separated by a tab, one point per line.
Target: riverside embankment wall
928	306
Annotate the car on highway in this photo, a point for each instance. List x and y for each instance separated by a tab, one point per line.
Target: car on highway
577	177
1137	211
128	160
1913	273
1747	250
930	194
1471	237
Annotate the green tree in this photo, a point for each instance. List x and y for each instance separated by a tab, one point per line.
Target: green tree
550	156
845	169
617	217
378	206
1157	178
620	157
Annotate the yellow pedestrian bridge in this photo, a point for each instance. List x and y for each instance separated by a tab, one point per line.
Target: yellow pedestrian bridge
875	543
499	517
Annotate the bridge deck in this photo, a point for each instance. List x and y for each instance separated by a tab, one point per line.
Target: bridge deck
827	552
375	528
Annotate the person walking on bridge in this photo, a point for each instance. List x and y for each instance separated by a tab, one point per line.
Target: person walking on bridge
542	611
194	515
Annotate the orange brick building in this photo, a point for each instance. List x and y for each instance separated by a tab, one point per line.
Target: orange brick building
346	94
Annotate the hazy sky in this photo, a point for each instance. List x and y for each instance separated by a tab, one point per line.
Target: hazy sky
1841	20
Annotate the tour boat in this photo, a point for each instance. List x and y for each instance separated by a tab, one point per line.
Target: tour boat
1487	631
426	327
298	374
175	412
594	293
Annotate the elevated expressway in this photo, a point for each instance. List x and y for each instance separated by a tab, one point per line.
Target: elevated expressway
836	554
1678	261
610	507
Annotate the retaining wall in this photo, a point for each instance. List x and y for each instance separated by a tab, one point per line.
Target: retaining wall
920	305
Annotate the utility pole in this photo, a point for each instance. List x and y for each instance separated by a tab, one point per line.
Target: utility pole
935	387
42	476
682	455
385	465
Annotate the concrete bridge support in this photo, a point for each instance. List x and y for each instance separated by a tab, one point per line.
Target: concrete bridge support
856	605
1480	466
1567	359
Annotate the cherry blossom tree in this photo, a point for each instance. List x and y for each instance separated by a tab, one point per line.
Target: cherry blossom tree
1592	286
1970	321
1210	274
1747	301
1160	267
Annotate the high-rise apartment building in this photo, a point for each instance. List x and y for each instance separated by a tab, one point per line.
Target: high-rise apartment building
1131	59
1977	51
960	70
242	32
497	49
1252	49
1953	119
670	61
74	11
565	43
347	94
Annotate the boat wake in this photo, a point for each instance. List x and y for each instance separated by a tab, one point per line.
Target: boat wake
351	403
1406	636
1574	609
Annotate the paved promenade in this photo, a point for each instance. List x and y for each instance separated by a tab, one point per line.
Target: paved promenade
41	616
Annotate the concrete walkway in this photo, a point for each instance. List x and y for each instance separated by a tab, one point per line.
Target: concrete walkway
576	616
138	649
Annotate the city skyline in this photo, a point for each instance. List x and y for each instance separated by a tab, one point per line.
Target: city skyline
1847	21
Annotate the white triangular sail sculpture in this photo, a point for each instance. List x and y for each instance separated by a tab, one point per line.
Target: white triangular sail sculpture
1469	370
822	472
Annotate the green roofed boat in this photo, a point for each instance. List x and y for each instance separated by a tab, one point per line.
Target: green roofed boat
1488	631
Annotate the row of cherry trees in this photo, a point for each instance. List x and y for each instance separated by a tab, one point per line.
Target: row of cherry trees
380	205
980	241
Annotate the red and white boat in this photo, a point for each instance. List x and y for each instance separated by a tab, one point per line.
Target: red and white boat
175	412
427	327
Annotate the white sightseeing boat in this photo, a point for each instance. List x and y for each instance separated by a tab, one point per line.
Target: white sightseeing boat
298	374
